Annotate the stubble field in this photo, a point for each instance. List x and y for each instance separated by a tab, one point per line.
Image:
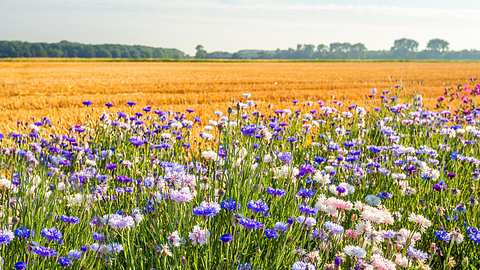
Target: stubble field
30	90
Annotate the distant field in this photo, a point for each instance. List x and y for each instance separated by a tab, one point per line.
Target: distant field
31	89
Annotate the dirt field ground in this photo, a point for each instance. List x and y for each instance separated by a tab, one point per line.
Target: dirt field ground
29	90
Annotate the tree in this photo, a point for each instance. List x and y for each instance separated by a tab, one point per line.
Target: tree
404	45
201	53
358	50
322	48
437	45
308	51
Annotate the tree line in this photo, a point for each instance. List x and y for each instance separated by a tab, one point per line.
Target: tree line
403	48
78	50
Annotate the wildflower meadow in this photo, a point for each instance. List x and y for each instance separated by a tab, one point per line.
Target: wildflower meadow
316	185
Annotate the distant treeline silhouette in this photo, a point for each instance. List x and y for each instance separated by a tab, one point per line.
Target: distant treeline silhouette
72	49
402	49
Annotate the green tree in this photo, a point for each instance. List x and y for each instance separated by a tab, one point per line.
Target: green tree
201	53
438	45
404	47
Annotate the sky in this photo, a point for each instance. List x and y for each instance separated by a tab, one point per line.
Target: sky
230	25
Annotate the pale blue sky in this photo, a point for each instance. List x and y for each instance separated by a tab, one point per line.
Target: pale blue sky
241	24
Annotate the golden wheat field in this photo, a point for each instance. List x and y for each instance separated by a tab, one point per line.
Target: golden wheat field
32	89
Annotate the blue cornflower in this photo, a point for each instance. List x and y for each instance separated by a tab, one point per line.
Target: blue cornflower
6	237
20	266
229	205
244	266
207	209
22	232
275	191
473	234
258	206
270	234
75	254
64	262
281	226
385	195
226	238
442	235
306	193
52	234
319	160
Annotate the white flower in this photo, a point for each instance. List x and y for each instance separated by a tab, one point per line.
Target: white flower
401	260
5	183
321	178
420	220
175	239
355	251
210	155
199	236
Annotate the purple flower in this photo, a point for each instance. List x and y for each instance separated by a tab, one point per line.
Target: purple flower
303	208
98	236
136	141
70	219
131	103
285	157
306	169
109	104
124	179
416	254
333	228
44	251
87	103
275	191
249	130
111	166
250	224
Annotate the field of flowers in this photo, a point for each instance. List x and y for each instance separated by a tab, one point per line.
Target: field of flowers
310	186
